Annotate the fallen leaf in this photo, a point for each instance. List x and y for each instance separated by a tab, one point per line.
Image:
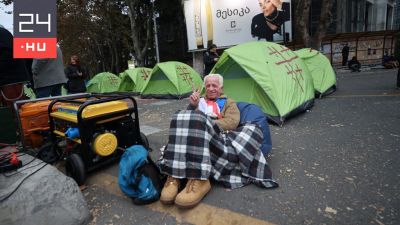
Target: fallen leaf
330	210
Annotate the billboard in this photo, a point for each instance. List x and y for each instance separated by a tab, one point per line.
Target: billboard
231	22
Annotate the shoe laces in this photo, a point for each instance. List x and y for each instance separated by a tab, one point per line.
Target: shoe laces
171	181
192	185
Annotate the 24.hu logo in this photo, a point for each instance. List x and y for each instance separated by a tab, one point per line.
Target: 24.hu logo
35	29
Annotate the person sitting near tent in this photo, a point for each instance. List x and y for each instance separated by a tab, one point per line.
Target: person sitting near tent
205	142
354	65
390	62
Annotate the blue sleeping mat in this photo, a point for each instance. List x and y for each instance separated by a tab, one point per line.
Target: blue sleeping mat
253	113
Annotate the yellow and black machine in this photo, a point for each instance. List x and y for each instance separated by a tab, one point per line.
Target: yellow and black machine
89	132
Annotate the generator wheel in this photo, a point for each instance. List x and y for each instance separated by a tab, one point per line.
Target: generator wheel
145	141
75	168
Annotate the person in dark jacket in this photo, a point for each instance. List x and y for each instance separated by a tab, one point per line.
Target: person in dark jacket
345	54
76	77
210	58
13	73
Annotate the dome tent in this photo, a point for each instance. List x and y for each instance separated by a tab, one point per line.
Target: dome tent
103	83
133	80
321	70
171	80
269	75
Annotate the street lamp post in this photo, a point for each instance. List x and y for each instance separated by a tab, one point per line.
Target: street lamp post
155	32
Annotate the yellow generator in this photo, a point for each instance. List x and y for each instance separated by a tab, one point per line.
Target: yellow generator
93	131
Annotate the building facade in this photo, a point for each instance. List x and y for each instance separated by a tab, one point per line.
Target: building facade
367	15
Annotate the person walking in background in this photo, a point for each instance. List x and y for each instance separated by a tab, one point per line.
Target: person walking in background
76	77
345	54
48	75
354	65
210	58
13	73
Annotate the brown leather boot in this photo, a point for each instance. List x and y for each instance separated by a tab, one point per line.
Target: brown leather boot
194	191
170	190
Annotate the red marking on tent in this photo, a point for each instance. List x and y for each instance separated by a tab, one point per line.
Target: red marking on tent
284	49
287	60
299	70
185	74
113	80
296	74
145	74
273	51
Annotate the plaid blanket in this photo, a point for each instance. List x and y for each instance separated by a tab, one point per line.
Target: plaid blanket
199	149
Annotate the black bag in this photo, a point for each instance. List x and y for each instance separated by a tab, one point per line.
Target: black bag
152	171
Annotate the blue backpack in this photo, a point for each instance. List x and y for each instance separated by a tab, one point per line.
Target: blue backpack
139	177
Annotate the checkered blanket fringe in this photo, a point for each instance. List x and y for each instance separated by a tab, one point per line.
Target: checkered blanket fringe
199	149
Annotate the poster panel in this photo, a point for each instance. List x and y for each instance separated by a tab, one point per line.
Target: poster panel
232	22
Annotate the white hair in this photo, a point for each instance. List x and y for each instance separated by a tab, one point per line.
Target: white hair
220	78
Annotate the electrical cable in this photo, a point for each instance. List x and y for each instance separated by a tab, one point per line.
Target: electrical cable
13	191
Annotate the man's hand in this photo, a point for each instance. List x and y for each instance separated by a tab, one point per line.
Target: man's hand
195	96
277	4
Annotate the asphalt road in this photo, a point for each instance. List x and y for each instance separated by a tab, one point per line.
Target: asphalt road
336	164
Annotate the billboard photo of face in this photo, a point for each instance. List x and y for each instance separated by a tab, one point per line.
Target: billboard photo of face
231	22
267	25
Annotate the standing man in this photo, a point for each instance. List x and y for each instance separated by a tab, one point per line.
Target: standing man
210	58
345	54
48	75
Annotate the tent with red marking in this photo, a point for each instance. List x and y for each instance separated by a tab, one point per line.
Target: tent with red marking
321	70
133	80
269	75
103	83
171	80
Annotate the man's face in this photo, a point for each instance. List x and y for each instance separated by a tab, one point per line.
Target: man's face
213	89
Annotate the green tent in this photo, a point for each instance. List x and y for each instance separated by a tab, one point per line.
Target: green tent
321	70
171	80
133	80
269	75
103	83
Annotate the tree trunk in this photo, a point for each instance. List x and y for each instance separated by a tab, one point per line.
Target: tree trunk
138	38
326	19
303	15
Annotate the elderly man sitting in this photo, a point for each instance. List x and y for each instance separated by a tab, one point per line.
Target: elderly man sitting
206	142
